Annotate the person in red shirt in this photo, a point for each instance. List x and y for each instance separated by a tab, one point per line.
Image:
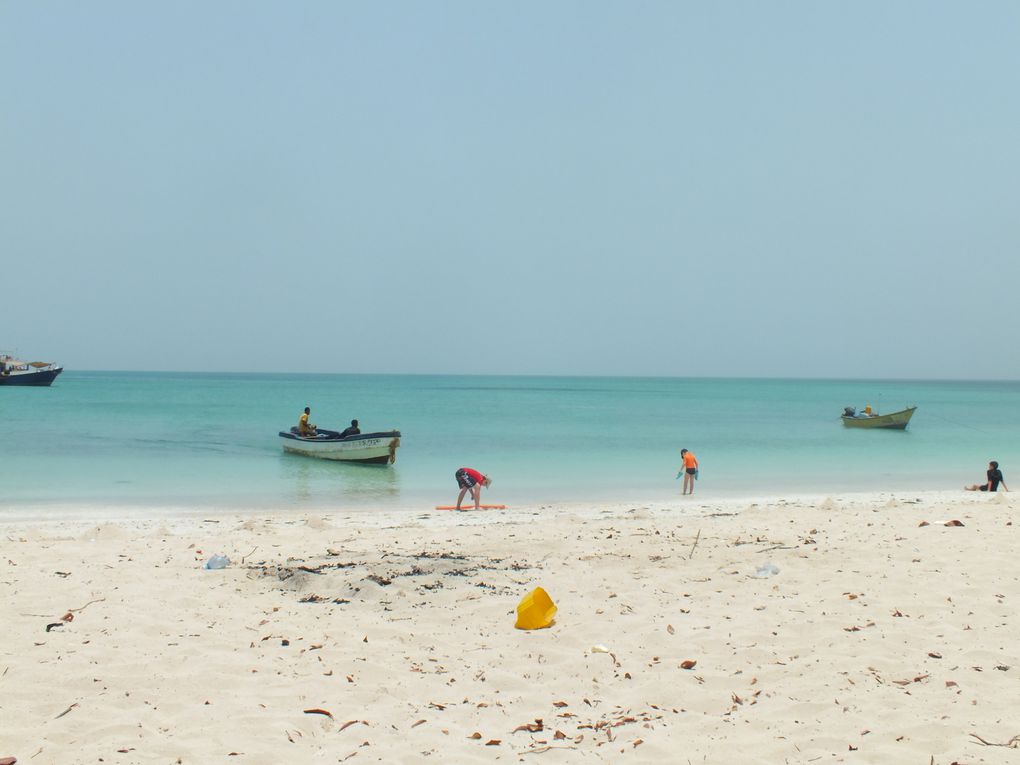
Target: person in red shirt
473	481
690	468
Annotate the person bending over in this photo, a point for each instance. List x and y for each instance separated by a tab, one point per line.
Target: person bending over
473	481
994	476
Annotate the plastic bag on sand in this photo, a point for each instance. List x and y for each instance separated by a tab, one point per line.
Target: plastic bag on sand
217	561
766	570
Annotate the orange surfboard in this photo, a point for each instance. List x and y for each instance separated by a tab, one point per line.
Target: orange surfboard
471	507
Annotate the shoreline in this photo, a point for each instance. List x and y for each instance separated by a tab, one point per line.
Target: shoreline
86	510
875	639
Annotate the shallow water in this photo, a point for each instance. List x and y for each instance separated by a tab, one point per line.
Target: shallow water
177	439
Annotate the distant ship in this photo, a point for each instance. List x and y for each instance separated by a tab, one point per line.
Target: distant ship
16	372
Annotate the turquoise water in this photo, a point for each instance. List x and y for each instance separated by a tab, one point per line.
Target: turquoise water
169	439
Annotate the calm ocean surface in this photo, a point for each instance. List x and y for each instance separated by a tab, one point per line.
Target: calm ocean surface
209	440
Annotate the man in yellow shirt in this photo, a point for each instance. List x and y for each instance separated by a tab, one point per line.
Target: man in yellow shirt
305	428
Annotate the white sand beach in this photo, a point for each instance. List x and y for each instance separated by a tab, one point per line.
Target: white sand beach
390	638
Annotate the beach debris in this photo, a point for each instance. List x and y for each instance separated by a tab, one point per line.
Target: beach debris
313	598
953	522
82	608
317	711
349	723
475	736
535	611
534	727
419	722
75	704
766	570
918	679
217	562
670	630
934	654
923	523
1013	743
54	625
560	704
68	617
688	664
599	649
493	742
8	760
379	580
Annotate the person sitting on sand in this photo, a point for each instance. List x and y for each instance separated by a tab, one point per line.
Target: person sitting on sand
994	479
305	428
690	468
354	430
473	481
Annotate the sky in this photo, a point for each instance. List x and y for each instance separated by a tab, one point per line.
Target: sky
780	189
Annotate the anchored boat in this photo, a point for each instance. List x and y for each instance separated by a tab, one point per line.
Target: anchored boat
894	421
369	448
16	372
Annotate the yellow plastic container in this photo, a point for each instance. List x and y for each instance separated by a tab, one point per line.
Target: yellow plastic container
535	611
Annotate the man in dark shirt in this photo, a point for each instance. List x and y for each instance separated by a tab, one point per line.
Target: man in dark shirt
994	476
354	430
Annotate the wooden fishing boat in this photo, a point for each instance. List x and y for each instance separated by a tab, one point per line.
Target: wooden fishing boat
369	448
893	421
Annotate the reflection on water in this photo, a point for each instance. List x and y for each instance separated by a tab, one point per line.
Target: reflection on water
311	479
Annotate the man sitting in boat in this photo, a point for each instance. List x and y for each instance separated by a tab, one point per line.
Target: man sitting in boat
306	428
354	430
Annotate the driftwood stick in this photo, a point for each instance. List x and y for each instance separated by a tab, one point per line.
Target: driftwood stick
1013	743
97	600
693	546
776	547
66	711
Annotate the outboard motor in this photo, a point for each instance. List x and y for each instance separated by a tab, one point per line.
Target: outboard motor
849	411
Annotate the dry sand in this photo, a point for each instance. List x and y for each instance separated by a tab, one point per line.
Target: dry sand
879	640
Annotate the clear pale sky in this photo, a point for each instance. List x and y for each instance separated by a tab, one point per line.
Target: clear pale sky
696	189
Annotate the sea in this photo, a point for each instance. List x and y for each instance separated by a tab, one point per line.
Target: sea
162	441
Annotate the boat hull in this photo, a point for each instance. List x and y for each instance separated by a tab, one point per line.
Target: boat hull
894	421
38	378
367	448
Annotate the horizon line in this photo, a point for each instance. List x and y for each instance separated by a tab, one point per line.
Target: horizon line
545	375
